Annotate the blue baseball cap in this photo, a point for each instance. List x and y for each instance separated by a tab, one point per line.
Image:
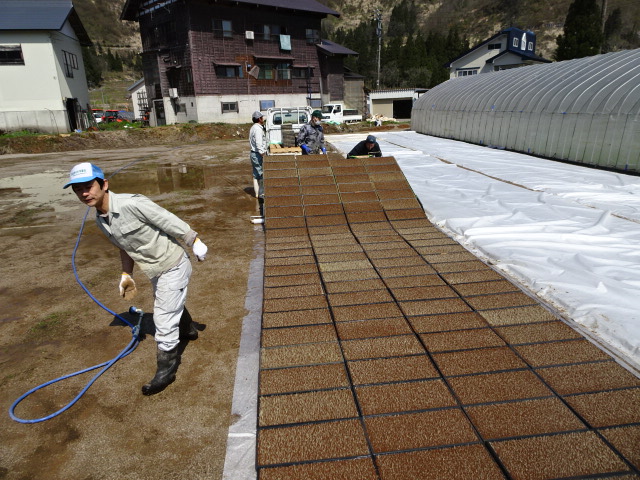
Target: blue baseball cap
370	139
84	172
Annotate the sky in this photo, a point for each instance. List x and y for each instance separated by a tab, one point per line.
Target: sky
567	234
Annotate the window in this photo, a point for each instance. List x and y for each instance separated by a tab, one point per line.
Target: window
229	107
264	104
465	72
283	71
70	63
223	28
269	32
515	42
495	46
301	72
229	71
266	71
312	35
11	55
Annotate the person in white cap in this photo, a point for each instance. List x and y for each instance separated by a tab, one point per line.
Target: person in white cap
258	144
146	235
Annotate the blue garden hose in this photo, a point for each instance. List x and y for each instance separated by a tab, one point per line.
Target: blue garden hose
135	330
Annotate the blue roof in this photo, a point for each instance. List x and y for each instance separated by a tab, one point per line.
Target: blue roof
41	15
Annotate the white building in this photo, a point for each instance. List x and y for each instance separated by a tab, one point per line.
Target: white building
43	86
510	48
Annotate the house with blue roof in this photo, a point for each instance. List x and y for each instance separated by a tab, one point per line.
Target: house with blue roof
509	48
43	86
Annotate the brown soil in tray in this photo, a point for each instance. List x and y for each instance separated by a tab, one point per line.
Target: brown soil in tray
381	347
558	456
366	312
355	286
295	275
498	387
372	328
483	288
557	353
626	440
513	316
306	407
357	468
523	418
461	340
537	332
596	409
589	377
300	355
478	361
404	397
501	300
297	303
419	430
292	291
325	220
424	293
457	463
277	337
302	379
359	298
447	322
319	189
356	187
311	442
317	180
433	307
295	318
383	370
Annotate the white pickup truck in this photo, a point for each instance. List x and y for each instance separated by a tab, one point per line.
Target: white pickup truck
336	113
282	125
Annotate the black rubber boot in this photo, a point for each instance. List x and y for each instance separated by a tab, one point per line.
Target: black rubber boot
188	330
165	375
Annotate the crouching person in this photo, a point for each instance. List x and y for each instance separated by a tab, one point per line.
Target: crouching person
146	235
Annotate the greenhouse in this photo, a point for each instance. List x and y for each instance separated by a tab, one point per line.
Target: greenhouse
585	110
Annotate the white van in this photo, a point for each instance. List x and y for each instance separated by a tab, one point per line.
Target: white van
283	124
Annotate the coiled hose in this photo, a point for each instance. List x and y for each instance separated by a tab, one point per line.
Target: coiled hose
135	330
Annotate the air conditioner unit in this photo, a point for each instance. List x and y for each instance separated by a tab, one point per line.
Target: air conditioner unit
248	35
173	93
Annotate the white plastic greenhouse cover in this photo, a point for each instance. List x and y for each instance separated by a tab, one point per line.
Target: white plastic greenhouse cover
585	110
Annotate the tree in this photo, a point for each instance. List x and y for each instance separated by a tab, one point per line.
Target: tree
92	67
612	31
582	35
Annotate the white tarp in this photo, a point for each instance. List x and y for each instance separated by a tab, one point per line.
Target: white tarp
568	234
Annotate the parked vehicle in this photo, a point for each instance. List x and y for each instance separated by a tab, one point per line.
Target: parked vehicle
110	116
282	125
336	113
97	114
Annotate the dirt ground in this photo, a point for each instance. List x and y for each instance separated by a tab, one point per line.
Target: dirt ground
50	327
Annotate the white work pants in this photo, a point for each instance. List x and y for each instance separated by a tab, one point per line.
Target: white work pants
170	294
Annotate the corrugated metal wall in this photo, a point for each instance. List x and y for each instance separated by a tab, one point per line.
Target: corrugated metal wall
585	110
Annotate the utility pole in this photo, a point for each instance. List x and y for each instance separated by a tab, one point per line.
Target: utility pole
378	18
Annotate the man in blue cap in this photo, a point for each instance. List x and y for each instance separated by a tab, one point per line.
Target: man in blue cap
146	234
366	148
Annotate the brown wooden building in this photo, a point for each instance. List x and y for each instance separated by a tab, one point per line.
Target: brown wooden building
220	60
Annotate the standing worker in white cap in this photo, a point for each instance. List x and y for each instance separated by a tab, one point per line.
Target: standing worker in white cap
366	148
146	234
311	135
258	144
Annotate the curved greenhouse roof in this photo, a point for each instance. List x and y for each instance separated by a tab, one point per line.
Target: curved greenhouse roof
585	110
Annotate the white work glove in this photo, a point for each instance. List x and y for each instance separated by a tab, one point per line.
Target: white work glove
200	250
128	288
